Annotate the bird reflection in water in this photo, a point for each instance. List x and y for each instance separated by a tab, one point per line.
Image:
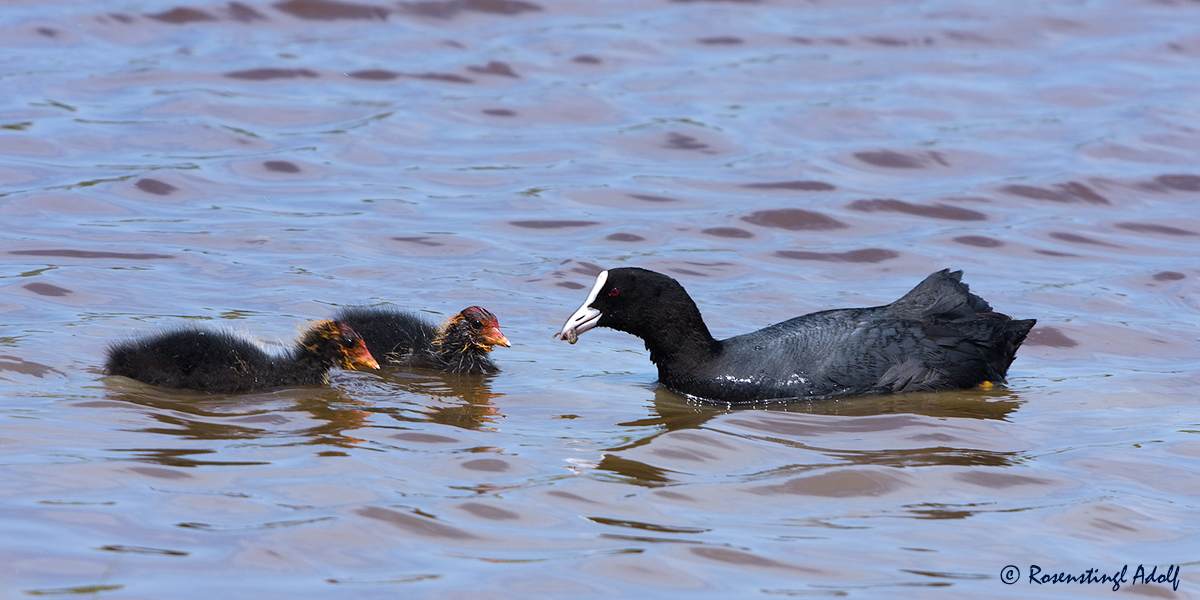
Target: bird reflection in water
818	429
303	416
462	400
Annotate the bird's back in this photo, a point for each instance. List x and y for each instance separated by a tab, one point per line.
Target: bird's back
938	336
190	358
392	336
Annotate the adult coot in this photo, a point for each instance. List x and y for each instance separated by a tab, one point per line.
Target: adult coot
396	337
939	336
221	361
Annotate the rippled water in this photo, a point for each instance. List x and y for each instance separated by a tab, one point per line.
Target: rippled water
256	165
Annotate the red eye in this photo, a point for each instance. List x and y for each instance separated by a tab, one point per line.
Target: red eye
614	292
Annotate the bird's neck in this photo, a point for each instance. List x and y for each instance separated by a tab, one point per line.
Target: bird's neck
680	342
310	359
449	342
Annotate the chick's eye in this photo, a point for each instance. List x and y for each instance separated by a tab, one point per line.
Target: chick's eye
614	292
476	323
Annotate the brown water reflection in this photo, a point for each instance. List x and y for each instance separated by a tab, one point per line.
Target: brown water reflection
458	400
251	417
313	417
891	417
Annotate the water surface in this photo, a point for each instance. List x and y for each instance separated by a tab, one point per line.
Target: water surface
257	165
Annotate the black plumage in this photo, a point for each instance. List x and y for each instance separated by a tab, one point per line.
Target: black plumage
938	336
221	361
462	344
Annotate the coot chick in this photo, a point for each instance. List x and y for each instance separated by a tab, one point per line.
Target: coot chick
221	361
215	360
397	337
939	336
